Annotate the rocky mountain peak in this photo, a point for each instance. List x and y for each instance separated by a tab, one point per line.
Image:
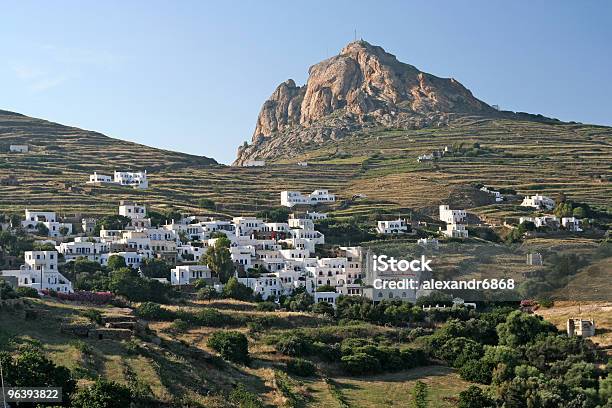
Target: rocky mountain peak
362	86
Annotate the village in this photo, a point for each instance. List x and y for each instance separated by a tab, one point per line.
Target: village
271	258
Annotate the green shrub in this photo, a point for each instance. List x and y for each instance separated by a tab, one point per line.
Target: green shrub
212	318
23	291
293	345
266	306
179	326
244	398
232	346
301	367
153	311
359	364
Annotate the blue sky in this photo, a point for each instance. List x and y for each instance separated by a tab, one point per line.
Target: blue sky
192	75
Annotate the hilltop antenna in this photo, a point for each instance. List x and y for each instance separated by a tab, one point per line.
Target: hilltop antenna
355	38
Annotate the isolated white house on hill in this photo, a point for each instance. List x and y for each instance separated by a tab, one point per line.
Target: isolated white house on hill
136	179
292	198
539	202
18	148
398	226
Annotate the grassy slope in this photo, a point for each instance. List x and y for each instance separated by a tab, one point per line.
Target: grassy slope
176	372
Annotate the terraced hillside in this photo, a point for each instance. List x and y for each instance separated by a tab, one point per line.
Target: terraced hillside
526	156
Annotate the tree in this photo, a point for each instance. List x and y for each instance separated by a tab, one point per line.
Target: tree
219	259
232	346
359	364
103	394
155	268
6	291
207	293
419	395
116	262
476	371
236	290
326	288
42	229
31	368
280	214
579	212
111	222
474	397
521	328
64	231
323	308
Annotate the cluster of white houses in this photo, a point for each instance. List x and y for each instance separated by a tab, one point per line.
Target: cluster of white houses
271	258
543	203
136	179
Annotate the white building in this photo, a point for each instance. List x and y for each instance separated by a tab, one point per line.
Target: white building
329	297
83	248
187	274
498	196
452	216
302	164
398	226
580	327
40	272
132	259
316	215
571	224
549	221
429	243
49	220
99	178
455	231
293	198
539	202
18	148
268	285
136	179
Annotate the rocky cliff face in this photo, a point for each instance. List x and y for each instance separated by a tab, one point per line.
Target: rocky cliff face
363	86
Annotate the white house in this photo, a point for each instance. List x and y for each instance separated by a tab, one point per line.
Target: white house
431	243
571	224
550	221
292	198
132	259
40	272
99	178
329	297
254	163
18	148
136	179
302	164
539	202
186	274
132	210
498	196
49	220
455	231
83	248
316	215
268	285
398	226
452	216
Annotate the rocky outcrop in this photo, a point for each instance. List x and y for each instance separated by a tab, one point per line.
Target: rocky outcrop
363	86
